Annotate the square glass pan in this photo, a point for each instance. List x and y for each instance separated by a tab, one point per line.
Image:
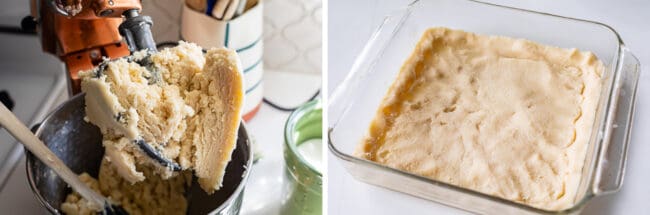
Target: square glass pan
353	104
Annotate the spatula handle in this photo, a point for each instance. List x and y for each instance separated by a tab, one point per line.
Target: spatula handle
17	129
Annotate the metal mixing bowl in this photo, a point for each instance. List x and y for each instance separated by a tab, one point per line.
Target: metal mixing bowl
78	144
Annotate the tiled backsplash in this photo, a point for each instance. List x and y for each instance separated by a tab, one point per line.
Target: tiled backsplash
292	31
292	35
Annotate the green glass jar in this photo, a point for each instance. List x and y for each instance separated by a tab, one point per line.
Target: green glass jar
303	186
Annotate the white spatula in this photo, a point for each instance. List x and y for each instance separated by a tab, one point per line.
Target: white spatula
17	129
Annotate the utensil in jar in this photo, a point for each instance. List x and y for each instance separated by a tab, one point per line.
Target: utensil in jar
231	10
209	6
241	7
198	5
220	9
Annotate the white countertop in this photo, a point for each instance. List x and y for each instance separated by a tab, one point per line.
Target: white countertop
264	187
347	36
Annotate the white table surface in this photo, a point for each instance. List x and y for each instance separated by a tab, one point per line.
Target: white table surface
352	22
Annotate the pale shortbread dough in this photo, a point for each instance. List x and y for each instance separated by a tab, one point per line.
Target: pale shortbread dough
151	196
506	117
190	111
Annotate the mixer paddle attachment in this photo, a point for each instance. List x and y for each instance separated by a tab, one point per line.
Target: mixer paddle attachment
136	30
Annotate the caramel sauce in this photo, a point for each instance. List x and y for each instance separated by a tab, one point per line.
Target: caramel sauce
403	92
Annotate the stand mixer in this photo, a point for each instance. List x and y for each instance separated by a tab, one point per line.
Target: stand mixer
84	32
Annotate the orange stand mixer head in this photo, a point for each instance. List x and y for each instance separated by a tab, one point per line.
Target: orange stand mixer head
81	32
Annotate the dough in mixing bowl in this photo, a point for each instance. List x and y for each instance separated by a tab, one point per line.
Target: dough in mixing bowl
184	103
154	195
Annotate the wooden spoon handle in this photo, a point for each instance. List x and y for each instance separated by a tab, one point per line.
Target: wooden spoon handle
17	129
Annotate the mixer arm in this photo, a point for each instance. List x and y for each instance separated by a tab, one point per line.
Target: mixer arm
84	32
94	9
136	30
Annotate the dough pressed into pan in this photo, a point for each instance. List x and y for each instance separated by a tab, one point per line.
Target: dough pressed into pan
506	117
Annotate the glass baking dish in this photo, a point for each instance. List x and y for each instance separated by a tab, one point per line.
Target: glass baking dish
354	103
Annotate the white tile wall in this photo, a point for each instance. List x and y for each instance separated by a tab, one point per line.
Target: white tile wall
292	34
